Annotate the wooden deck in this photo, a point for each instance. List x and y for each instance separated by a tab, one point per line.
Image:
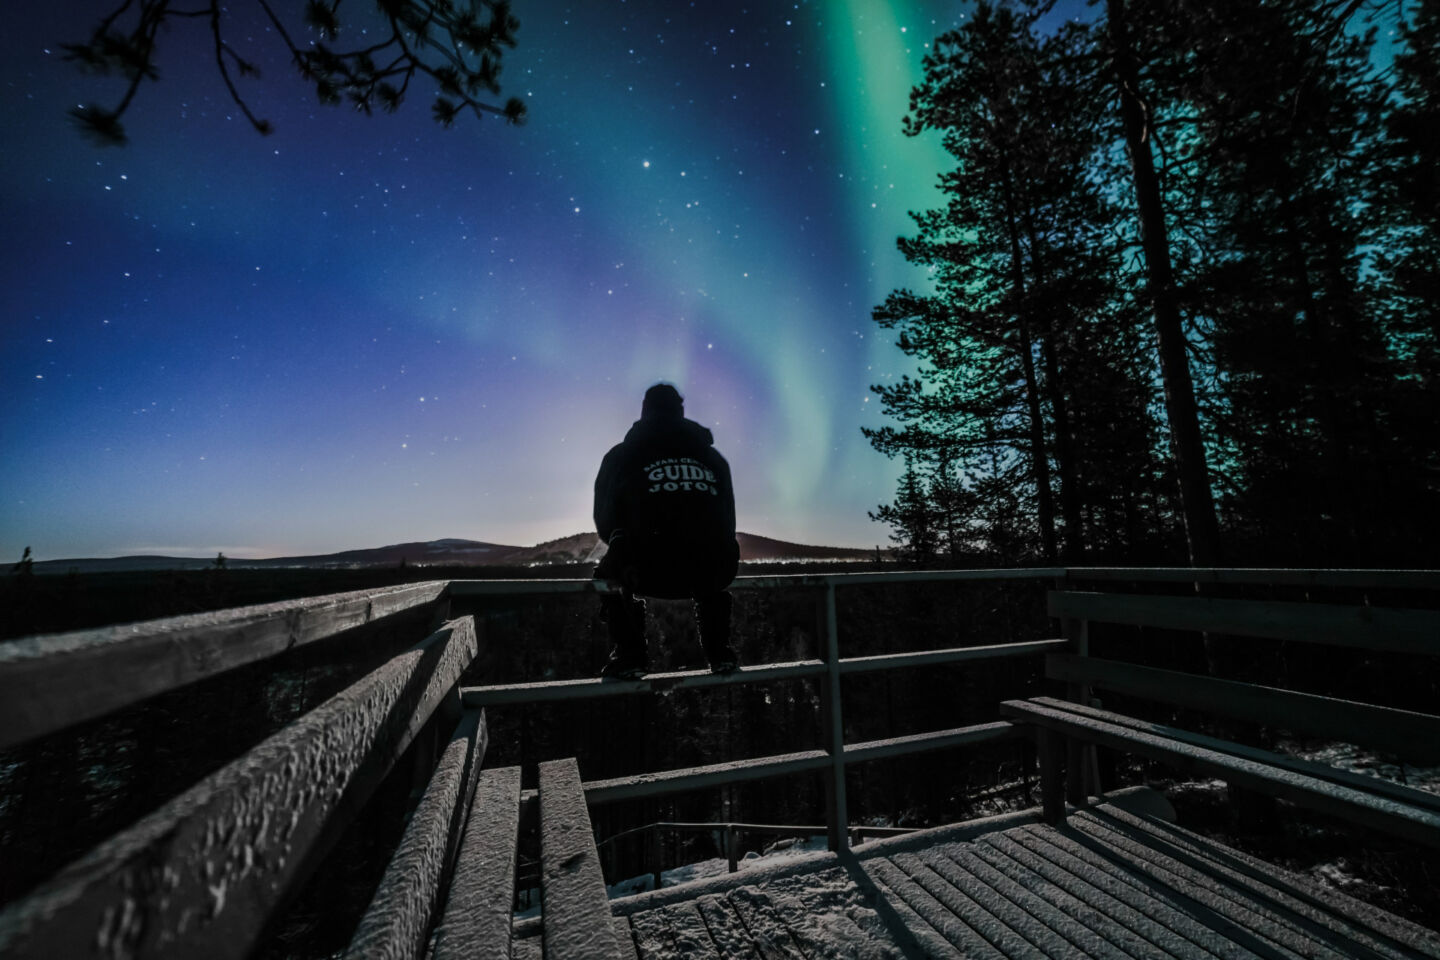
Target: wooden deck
1108	883
210	870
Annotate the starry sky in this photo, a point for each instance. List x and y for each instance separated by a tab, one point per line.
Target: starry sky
365	331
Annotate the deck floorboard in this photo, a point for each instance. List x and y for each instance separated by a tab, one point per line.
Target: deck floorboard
1108	884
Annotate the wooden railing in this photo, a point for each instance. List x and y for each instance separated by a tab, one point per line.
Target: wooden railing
835	755
1068	730
204	873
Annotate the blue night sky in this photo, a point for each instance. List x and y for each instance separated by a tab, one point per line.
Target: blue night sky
365	331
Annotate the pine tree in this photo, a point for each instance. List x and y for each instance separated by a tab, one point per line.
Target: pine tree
1406	279
912	519
1182	415
1284	134
1025	332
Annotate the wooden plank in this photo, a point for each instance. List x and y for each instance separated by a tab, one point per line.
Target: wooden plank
592	687
1139	936
1038	920
1396	579
920	917
477	911
936	740
732	941
575	908
1271	576
1415	736
397	923
1211	932
1348	803
1271	886
1145	908
702	777
975	905
653	936
1319	771
820	934
1324	898
966	939
930	658
1252	914
201	876
688	932
490	588
52	681
625	938
771	936
1369	628
805	761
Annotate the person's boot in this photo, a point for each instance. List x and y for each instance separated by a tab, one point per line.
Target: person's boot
712	616
624	615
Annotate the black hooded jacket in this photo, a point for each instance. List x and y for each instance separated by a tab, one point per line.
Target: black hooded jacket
667	481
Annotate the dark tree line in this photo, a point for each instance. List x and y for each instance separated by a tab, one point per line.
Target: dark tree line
1183	295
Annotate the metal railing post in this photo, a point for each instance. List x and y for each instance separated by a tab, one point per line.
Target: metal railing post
837	820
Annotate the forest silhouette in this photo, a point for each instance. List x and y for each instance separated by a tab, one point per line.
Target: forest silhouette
1185	289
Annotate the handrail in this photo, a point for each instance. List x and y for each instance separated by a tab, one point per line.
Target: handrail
803	761
52	681
836	754
521	587
549	691
1368	627
203	874
1270	576
1274	576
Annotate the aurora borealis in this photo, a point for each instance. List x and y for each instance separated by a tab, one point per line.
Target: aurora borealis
360	331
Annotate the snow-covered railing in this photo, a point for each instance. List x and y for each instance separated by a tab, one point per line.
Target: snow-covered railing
829	669
206	872
836	754
53	681
1405	733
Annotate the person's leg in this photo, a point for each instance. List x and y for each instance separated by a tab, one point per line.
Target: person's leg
712	604
624	614
712	616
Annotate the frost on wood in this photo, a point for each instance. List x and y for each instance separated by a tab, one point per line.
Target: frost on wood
51	681
477	911
769	920
576	910
398	920
200	876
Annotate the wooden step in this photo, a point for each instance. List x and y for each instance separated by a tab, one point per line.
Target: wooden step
476	920
575	906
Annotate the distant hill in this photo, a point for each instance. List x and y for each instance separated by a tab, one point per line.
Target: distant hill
576	548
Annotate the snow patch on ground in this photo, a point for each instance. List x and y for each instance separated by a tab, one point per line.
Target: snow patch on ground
1358	760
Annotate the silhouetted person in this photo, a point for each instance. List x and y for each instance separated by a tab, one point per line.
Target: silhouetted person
665	506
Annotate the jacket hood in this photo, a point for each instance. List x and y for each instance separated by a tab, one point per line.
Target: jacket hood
677	427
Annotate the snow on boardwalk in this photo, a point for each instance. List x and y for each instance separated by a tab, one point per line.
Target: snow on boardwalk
1108	884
